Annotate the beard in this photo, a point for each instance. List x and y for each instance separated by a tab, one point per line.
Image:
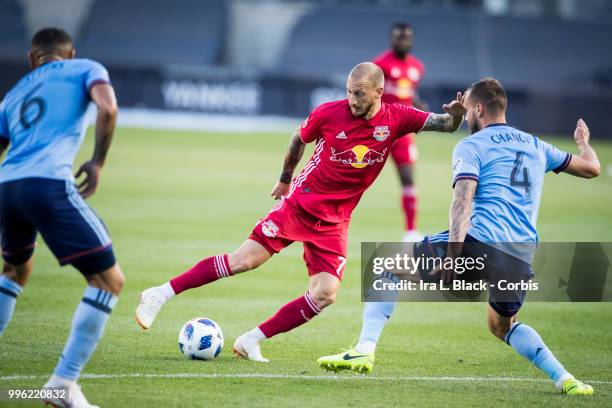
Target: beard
474	125
362	111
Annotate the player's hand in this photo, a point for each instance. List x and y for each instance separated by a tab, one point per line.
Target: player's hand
279	190
581	134
87	187
447	275
456	107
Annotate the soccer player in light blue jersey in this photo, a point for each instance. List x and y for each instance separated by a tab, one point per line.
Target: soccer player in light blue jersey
42	122
498	174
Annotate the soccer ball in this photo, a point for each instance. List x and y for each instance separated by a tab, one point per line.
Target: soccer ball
200	339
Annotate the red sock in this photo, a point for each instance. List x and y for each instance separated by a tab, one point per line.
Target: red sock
409	202
293	314
206	271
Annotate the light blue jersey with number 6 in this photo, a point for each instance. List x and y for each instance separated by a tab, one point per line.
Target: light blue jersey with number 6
509	166
43	118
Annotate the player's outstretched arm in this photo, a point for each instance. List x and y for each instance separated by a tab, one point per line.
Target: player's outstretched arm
449	121
587	163
292	158
103	96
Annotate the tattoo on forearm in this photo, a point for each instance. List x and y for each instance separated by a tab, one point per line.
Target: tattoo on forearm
443	122
461	210
292	157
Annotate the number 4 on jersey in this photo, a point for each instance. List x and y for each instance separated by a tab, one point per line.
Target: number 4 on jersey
516	170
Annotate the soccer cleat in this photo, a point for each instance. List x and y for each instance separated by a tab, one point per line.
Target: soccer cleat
572	386
412	236
348	360
247	346
73	398
151	301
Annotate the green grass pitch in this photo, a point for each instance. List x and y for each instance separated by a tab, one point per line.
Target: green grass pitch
172	198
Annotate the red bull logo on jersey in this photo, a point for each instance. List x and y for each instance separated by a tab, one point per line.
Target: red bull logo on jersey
358	156
269	229
381	133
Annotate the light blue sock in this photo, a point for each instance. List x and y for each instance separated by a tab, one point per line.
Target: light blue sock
375	316
9	290
88	324
528	343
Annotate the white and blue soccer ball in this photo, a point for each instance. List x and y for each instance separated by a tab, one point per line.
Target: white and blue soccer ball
201	339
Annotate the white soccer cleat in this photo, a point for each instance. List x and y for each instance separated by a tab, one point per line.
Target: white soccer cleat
151	301
247	346
412	236
73	397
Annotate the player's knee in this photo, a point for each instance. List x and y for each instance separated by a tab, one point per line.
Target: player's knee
240	262
498	328
110	280
406	178
19	273
323	297
244	259
117	281
9	271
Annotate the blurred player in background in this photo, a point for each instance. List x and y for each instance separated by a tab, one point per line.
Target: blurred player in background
403	73
42	122
498	175
353	139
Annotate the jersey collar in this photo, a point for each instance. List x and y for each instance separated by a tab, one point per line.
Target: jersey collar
496	124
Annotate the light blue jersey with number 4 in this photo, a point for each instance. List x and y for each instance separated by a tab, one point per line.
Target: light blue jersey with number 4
43	118
509	166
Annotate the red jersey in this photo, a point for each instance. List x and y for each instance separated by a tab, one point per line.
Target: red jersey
402	77
349	154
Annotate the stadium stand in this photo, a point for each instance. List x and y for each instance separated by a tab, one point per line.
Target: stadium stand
455	47
145	33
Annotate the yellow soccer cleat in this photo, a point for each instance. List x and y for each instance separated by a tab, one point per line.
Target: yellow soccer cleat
574	387
348	360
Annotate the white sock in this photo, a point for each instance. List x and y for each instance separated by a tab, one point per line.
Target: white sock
366	347
564	378
258	334
57	381
167	290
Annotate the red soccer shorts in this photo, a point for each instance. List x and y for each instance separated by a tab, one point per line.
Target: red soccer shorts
325	244
404	150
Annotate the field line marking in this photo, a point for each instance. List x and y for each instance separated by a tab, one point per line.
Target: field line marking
295	377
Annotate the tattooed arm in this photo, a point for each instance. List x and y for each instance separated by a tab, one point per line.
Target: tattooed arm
443	122
459	214
292	158
459	222
449	121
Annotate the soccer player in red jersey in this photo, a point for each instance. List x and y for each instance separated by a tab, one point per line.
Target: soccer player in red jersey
353	140
403	73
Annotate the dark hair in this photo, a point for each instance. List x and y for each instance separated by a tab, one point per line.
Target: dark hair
50	40
401	26
491	93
